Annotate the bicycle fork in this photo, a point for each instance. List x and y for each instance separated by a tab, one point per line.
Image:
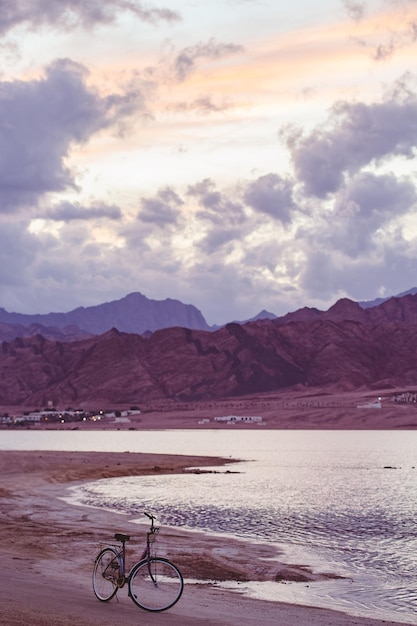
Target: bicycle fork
152	577
147	554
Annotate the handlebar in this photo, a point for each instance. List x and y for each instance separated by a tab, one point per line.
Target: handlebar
152	518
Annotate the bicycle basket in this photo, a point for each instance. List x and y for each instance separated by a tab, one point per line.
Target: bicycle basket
152	535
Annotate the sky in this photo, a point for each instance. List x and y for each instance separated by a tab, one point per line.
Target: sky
236	155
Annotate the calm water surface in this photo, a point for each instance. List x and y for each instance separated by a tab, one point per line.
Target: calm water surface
339	501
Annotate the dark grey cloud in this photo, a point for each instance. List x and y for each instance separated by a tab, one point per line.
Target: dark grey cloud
68	212
319	275
359	226
219	239
325	277
68	14
273	195
367	205
221	214
40	120
206	193
386	196
355	135
184	63
18	248
56	271
354	239
218	207
162	209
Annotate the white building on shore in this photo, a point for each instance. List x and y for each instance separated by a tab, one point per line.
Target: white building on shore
233	419
371	405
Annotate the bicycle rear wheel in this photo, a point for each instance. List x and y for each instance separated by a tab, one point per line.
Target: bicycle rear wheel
105	574
155	585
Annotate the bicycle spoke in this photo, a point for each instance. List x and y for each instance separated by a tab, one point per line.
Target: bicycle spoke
155	585
105	574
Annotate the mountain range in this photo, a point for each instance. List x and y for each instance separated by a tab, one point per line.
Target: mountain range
135	313
347	346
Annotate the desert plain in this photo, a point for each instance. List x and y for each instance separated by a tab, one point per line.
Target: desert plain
321	408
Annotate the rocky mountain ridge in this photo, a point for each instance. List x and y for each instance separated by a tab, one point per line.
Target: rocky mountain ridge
135	313
346	346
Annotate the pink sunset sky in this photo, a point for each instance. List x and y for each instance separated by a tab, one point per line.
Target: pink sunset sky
237	155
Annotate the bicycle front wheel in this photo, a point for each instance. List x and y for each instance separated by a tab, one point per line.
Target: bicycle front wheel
155	585
105	574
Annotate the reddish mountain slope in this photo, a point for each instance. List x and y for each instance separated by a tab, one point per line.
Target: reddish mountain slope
345	346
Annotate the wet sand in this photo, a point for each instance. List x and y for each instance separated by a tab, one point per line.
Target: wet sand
48	548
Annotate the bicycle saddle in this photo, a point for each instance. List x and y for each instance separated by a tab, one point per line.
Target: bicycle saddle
121	537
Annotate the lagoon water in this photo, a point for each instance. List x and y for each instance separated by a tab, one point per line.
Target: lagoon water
339	501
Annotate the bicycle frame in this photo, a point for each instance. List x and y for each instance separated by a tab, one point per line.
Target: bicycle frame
155	584
146	554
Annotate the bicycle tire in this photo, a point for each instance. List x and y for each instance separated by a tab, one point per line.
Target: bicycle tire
155	585
105	574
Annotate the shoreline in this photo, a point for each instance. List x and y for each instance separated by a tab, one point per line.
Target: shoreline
49	546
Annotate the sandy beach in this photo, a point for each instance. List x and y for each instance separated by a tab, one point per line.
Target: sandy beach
49	545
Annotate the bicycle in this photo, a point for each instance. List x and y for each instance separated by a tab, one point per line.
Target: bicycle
155	584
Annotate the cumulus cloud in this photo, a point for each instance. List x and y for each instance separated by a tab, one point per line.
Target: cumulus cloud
386	196
347	247
67	266
68	212
325	276
17	252
40	120
206	192
219	240
216	206
68	14
273	195
229	220
355	135
162	209
367	205
220	214
334	223
185	62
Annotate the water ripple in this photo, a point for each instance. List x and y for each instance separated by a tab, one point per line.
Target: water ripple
342	509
